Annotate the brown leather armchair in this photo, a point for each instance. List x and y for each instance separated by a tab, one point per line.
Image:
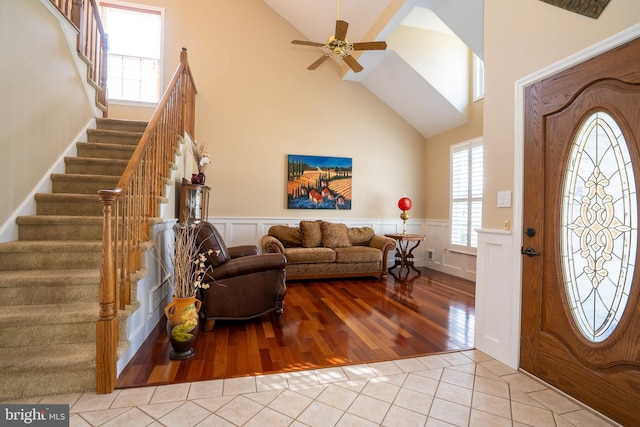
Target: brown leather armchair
242	283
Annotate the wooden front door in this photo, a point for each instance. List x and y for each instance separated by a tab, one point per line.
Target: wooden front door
581	278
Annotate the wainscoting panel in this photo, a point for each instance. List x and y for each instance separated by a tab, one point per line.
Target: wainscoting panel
437	256
497	331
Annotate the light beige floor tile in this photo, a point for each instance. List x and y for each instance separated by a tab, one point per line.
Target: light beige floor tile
317	414
301	379
158	410
350	420
454	393
354	385
205	389
355	372
239	385
585	418
410	365
100	417
385	368
269	417
93	402
401	417
133	397
483	372
458	378
311	391
263	397
483	419
531	415
468	368
331	375
433	422
492	404
434	374
477	355
212	404
271	382
338	397
186	415
433	362
239	410
290	403
524	383
132	417
457	358
170	393
497	368
450	412
493	387
414	401
214	420
369	408
75	420
518	396
380	389
555	401
421	384
61	399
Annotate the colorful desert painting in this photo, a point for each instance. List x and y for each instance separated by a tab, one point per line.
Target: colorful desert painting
318	182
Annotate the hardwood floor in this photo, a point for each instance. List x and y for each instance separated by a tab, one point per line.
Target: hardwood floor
325	323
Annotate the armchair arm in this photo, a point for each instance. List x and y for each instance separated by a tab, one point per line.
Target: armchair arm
243	250
272	245
246	265
382	242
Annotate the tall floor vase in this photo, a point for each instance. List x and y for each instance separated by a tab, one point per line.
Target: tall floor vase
182	326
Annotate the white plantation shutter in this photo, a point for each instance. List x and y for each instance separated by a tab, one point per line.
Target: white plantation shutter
135	45
467	174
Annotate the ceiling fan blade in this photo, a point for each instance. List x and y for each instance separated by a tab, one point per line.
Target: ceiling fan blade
341	30
353	63
318	62
306	43
370	46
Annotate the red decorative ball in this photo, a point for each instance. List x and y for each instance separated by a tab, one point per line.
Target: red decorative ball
404	204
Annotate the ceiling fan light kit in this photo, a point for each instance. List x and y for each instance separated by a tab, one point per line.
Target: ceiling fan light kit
339	45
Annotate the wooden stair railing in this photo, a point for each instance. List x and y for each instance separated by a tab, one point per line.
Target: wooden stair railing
133	203
92	42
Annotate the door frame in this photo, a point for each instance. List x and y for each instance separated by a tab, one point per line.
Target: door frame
518	181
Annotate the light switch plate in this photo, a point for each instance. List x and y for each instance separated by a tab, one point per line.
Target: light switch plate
504	199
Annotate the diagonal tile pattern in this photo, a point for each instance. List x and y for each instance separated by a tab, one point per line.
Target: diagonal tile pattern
465	388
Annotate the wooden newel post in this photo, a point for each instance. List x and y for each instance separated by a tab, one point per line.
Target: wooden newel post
107	326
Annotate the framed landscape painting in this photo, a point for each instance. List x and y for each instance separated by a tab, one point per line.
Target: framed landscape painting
318	182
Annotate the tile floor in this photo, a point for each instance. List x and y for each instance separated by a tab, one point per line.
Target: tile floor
465	388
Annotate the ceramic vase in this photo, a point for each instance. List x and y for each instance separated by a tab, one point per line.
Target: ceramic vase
198	178
182	326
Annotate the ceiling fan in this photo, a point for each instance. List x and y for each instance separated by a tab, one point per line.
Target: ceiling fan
339	45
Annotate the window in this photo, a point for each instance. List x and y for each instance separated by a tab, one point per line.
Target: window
478	78
467	173
135	46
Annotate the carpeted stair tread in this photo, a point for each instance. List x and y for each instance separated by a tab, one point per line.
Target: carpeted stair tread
59	219
120	124
52	357
36	278
69	313
84	177
50	245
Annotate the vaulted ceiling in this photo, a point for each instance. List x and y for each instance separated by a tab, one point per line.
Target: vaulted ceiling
424	75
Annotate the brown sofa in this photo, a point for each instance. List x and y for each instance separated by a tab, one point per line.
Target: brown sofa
242	283
323	249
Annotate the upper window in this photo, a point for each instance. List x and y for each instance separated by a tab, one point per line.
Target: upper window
478	78
135	46
467	173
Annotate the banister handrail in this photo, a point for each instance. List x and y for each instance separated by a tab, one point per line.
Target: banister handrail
134	203
92	43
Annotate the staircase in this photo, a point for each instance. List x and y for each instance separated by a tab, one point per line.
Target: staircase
49	277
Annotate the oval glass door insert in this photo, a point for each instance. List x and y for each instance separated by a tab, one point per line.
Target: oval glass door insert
598	226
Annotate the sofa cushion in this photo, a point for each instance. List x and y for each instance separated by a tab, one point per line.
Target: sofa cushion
360	236
334	235
209	238
288	236
311	233
309	255
355	254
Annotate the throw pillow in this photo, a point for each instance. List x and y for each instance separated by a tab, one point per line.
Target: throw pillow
360	236
334	235
311	233
290	237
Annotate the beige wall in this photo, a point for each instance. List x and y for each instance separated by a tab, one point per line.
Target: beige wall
257	103
44	106
522	37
